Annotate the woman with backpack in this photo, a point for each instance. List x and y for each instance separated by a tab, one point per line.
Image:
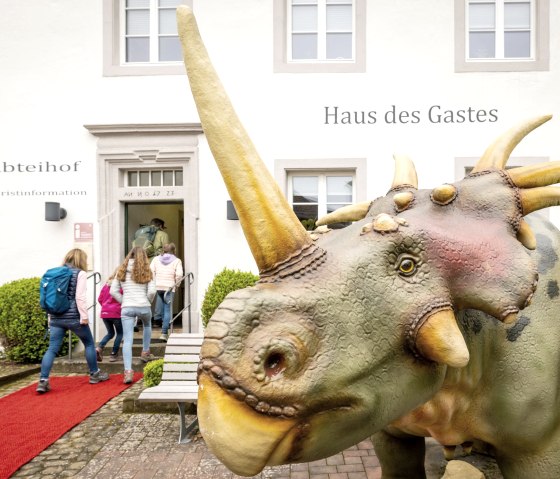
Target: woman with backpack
74	318
168	271
111	316
135	279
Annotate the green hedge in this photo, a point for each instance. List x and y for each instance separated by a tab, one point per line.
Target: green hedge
23	324
224	282
153	372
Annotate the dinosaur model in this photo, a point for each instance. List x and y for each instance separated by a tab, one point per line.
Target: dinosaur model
435	313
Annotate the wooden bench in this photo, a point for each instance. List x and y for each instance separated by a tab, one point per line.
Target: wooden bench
178	382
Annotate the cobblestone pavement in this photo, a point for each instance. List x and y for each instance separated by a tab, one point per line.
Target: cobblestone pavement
113	445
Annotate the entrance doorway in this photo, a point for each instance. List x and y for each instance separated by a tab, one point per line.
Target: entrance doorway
137	215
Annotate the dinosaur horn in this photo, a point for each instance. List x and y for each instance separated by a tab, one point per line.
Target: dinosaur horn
354	212
441	340
538	198
497	154
273	231
405	173
542	174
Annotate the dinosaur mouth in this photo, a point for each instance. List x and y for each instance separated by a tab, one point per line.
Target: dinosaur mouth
247	440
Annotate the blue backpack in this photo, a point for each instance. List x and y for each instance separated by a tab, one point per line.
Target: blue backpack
53	294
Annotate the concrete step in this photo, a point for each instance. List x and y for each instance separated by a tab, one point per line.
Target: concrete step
78	365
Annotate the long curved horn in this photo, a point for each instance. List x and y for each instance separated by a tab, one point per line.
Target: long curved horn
538	198
497	154
405	172
273	231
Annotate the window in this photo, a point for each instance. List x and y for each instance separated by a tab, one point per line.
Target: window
314	194
319	36
151	178
140	37
501	35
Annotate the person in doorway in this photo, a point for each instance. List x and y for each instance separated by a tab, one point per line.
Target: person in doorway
135	279
111	316
160	239
75	319
168	273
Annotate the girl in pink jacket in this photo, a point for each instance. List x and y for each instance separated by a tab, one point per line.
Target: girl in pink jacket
111	316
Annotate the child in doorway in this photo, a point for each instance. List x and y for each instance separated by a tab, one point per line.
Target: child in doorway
111	316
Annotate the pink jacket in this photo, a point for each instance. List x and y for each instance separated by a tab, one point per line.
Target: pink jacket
110	307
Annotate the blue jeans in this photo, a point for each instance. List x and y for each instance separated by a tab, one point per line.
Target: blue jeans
128	318
113	325
58	333
166	301
158	310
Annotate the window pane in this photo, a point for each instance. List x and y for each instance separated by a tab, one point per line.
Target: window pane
170	49
132	178
304	46
339	18
517	45
482	15
339	45
138	22
305	189
306	212
169	3
304	19
339	189
302	2
179	178
144	178
339	1
517	15
137	49
168	22
138	3
167	178
482	45
156	178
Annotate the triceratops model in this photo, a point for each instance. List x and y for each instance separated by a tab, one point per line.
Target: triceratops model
422	318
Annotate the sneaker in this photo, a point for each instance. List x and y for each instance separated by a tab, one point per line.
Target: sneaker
99	353
128	376
147	356
43	386
113	357
164	337
98	377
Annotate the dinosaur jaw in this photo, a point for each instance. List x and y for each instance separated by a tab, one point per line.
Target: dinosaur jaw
246	441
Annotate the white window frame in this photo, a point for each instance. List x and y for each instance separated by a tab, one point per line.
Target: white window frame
284	169
321	176
283	42
114	45
539	59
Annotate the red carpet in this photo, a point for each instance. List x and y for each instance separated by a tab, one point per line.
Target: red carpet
30	422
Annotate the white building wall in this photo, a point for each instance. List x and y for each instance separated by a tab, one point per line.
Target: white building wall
52	83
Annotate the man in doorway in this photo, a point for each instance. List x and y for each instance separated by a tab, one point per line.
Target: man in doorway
161	238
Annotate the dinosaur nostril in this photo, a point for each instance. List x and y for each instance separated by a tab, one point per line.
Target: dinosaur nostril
274	364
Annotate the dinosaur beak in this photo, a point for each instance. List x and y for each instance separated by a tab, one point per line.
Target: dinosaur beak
244	440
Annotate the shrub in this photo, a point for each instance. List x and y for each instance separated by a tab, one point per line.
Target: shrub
23	324
224	283
153	372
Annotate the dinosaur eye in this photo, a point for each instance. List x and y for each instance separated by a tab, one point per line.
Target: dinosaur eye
407	267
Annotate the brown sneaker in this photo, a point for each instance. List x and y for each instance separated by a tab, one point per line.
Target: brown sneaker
99	353
128	376
113	357
147	356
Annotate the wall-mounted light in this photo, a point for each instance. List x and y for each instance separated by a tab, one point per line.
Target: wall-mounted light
53	211
231	213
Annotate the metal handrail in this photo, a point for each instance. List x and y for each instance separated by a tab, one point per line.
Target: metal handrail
97	280
190	277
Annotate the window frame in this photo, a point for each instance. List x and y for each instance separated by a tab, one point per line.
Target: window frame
356	167
114	46
539	39
282	44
